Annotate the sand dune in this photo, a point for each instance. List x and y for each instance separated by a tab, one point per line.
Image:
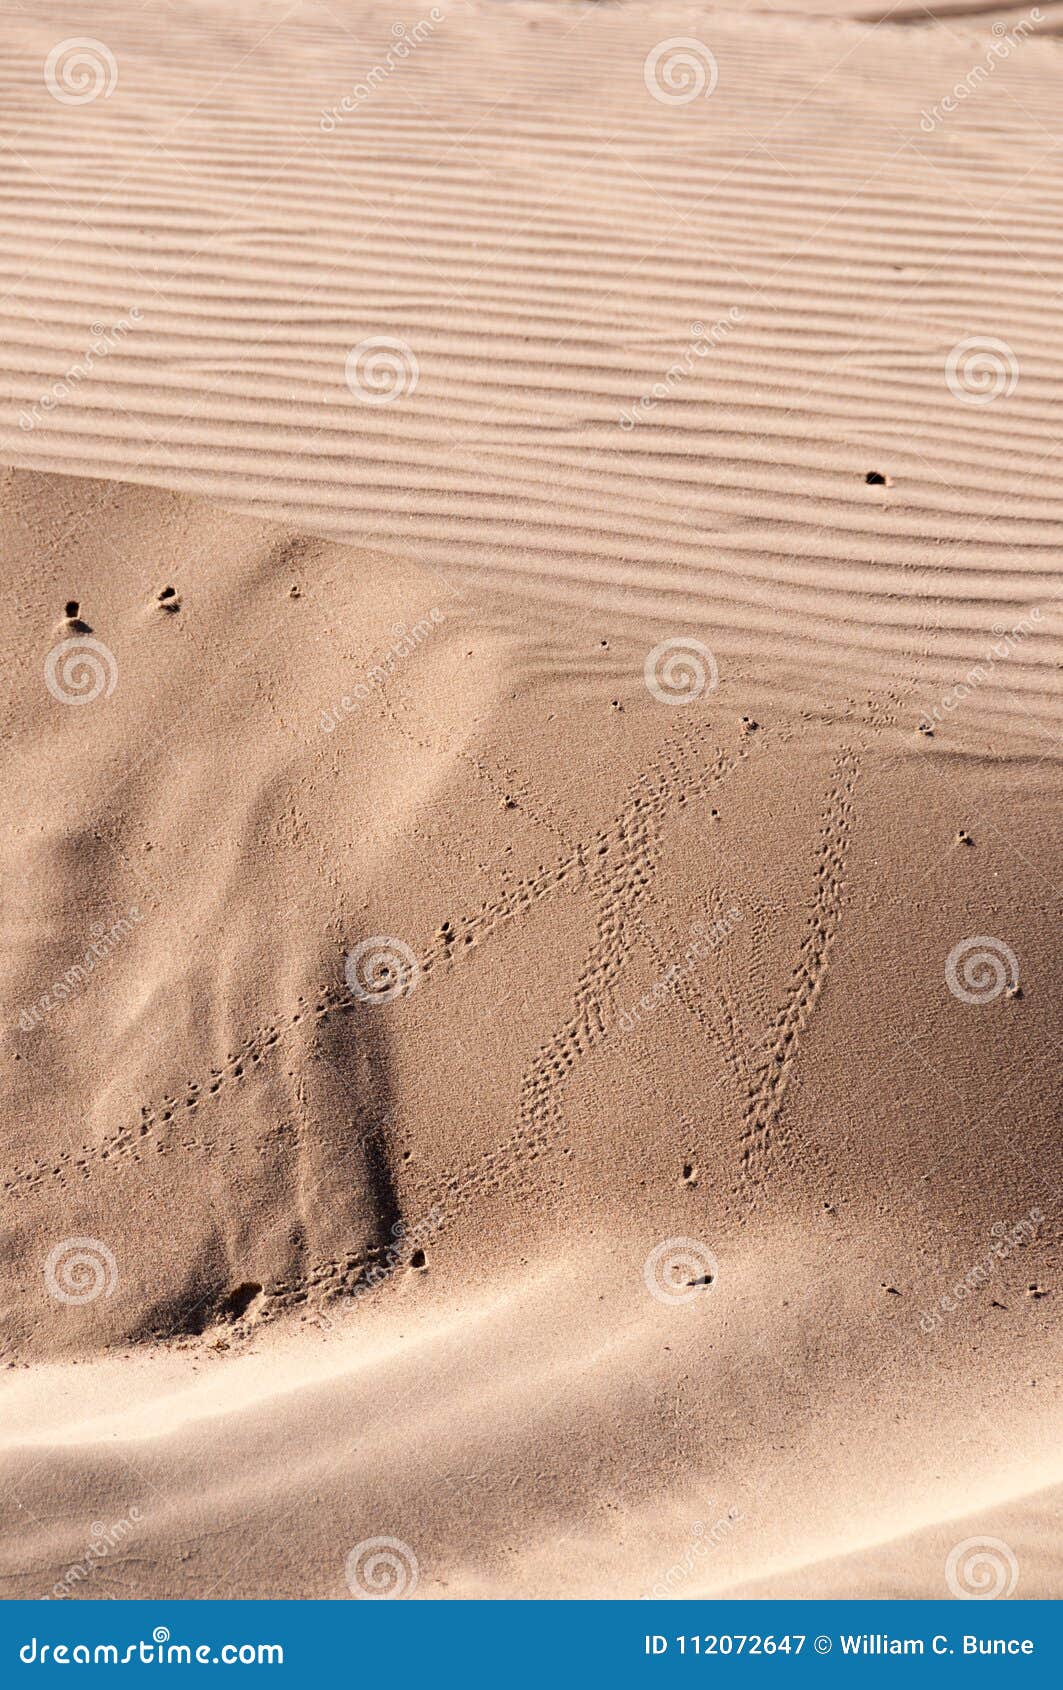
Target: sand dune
545	242
676	977
655	660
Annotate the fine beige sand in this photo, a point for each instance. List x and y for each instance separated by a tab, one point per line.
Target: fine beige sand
531	970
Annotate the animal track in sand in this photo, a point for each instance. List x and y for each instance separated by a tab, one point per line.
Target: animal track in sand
762	1113
621	886
617	864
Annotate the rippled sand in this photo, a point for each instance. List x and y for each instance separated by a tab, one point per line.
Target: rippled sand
531	732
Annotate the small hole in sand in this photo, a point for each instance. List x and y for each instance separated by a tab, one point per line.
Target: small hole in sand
417	1260
73	609
239	1300
875	478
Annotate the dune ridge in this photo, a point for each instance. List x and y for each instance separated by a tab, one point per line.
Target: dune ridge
530	974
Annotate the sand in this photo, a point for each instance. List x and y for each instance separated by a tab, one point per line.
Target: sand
677	1212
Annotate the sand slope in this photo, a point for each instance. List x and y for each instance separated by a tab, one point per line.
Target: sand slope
547	240
678	977
677	934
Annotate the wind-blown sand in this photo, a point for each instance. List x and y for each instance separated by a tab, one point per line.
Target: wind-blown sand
687	1223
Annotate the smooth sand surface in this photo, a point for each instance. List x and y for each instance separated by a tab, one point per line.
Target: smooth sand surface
679	1215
